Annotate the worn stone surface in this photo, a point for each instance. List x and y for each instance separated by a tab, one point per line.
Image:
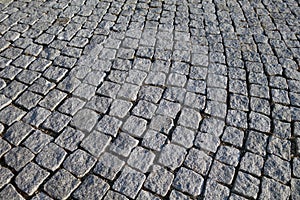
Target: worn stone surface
150	99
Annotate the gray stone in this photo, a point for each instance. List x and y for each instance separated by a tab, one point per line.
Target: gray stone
279	147
257	142
144	109
95	143
36	116
176	195
6	176
61	184
278	169
79	163
51	157
109	125
114	195
144	195
9	192
37	141
135	126
188	181
123	144
172	156
18	157
150	93
69	138
4	101
183	136
237	118
109	89
16	133
252	163
222	173
4	147
216	109
295	189
85	120
129	91
215	190
129	182
273	190
108	166
11	114
207	141
228	155
30	178
159	180
233	136
247	185
85	91
141	159
120	108
56	122
260	122
71	106
99	104
52	99
198	161
91	188
189	118
168	108
212	126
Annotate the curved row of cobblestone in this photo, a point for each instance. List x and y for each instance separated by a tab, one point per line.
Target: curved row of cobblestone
140	99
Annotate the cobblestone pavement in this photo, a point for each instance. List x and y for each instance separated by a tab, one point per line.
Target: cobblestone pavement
140	99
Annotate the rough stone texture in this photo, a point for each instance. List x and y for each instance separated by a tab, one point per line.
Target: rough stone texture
30	178
129	182
118	88
6	176
61	184
91	188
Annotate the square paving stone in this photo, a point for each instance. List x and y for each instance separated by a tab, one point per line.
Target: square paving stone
172	156
207	141
70	138
159	180
85	120
16	133
233	136
129	91
108	166
161	123
273	190
41	196
141	159
183	136
222	173
279	147
36	116
11	114
247	185
37	141
212	125
71	106
278	169
51	157
228	155
129	182
215	190
95	143
198	161
9	192
252	163
150	93
99	104
91	188
257	143
28	100
6	176
61	184
189	118
168	108
30	178
85	91
120	108
144	109
123	144
109	125
135	126
79	163
4	101
18	157
52	99
154	140
188	181
56	122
